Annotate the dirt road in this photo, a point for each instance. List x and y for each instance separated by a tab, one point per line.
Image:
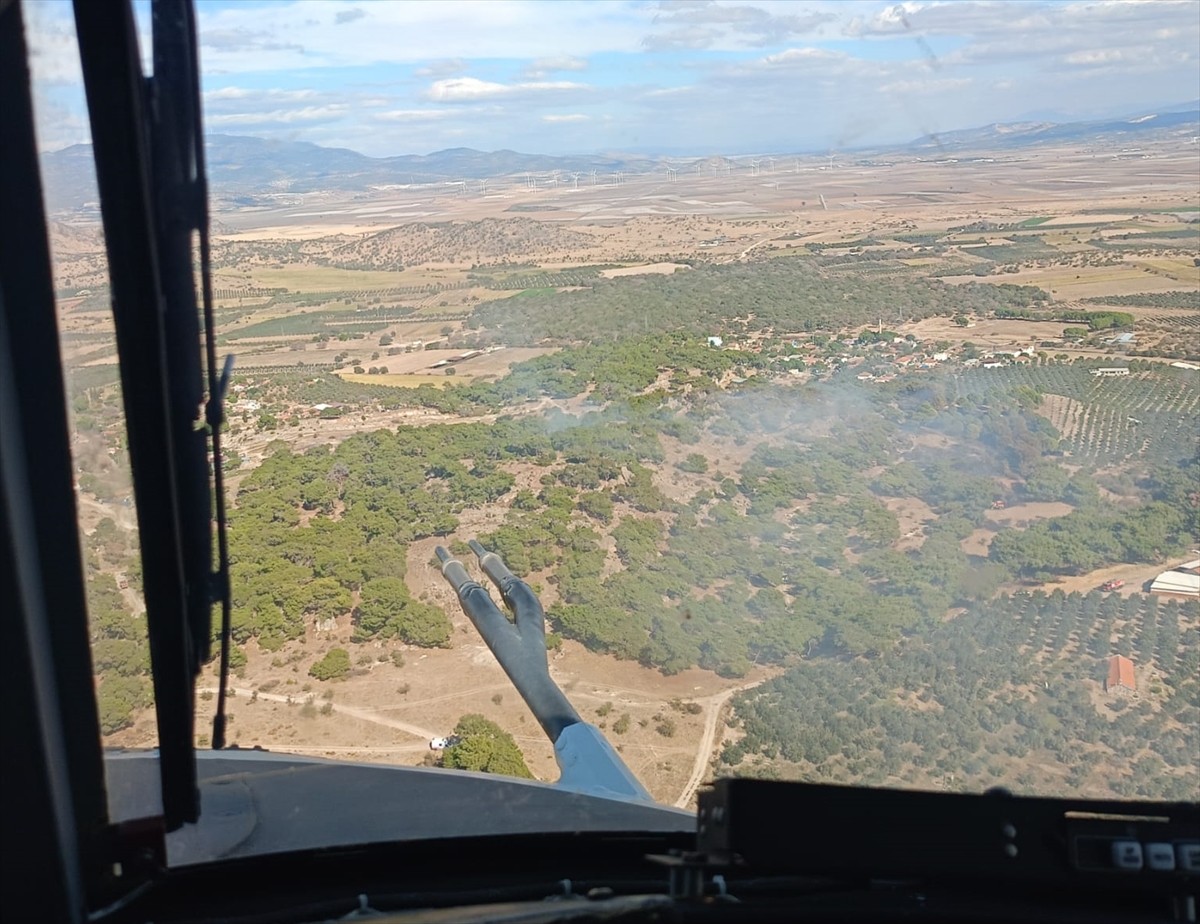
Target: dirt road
366	715
713	706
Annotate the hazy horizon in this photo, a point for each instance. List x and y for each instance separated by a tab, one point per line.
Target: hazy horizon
686	78
665	152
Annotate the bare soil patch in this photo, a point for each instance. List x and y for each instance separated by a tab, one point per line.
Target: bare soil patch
402	367
1134	576
913	513
1021	515
987	332
978	543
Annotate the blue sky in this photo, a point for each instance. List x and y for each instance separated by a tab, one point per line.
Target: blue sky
675	77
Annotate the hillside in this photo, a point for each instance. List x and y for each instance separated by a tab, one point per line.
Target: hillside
488	241
1022	134
243	169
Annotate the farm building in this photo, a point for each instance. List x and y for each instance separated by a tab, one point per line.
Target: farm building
1120	675
1107	371
1183	581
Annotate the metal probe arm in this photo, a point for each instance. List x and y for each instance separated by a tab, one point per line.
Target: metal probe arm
586	761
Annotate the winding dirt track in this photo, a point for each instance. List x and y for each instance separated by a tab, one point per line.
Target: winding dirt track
366	715
713	706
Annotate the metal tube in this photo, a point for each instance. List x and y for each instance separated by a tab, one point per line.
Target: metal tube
526	607
588	763
520	648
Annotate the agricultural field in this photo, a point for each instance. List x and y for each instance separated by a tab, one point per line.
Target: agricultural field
1024	706
1144	418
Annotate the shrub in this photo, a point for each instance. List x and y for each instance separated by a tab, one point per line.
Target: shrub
334	665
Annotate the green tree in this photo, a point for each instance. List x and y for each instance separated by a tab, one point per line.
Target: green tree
484	747
118	698
334	665
389	611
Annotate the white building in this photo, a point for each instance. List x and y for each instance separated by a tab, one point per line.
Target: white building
715	341
1107	371
1183	581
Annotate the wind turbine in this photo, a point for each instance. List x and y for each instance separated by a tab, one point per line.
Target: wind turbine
771	161
483	187
754	167
593	177
575	178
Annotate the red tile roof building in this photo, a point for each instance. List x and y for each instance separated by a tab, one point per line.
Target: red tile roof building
1120	674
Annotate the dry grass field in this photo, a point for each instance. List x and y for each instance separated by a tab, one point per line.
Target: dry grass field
426	365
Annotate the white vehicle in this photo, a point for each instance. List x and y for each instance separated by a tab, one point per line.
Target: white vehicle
438	744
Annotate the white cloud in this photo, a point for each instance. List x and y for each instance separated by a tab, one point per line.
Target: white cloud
417	115
542	67
706	24
509	73
448	68
668	92
1096	56
279	116
262	37
1138	35
242	93
804	57
926	87
471	89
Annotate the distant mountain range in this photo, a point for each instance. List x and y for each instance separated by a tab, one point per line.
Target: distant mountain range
1177	120
243	169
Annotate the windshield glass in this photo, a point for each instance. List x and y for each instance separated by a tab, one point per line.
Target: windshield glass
830	372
